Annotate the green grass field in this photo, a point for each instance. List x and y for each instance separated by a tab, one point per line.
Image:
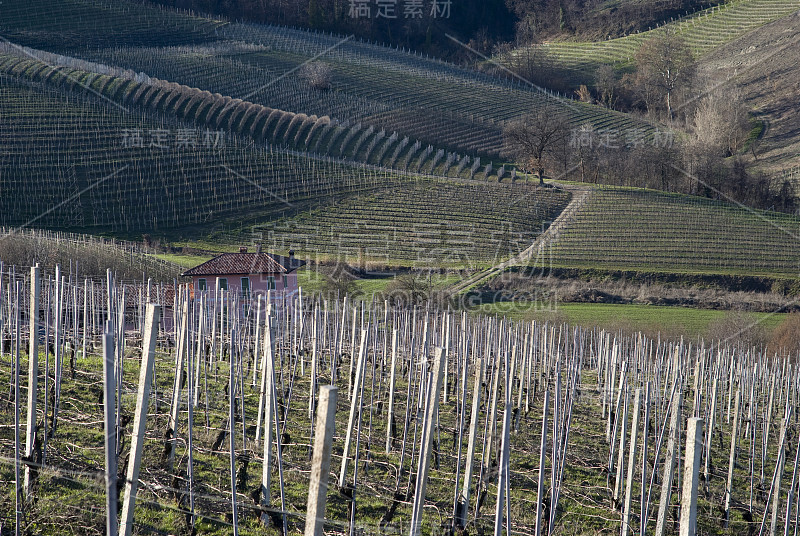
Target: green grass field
186	261
670	321
313	282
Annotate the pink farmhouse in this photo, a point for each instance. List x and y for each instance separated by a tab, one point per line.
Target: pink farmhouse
248	274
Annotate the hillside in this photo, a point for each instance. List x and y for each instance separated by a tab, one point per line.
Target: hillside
628	229
420	352
456	224
102	168
131	172
269	155
81	256
437	103
763	65
703	32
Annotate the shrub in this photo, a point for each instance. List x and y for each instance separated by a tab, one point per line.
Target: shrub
318	74
786	337
737	328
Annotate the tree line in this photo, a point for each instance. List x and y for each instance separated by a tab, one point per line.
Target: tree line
708	143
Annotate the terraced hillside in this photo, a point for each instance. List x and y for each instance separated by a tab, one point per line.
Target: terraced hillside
626	229
703	32
427	221
72	160
93	23
451	109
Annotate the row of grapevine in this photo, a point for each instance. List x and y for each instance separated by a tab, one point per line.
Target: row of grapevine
647	230
98	23
243	118
703	32
454	421
97	166
469	224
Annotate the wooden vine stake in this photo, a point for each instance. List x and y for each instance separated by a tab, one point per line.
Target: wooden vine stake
621	450
463	502
431	413
691	477
321	461
267	406
109	429
542	455
33	373
502	479
355	406
142	402
626	516
181	344
390	427
18	495
670	461
232	429
779	467
732	458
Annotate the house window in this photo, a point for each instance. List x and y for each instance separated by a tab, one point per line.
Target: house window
201	283
271	282
285	281
223	283
245	285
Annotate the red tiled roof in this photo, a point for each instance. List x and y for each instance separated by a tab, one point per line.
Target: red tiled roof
246	263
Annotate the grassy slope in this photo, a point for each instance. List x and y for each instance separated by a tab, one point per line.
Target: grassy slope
763	64
313	281
703	32
669	321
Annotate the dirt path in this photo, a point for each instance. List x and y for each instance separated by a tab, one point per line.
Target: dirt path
579	197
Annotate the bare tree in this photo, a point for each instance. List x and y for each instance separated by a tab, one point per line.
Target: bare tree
338	281
606	84
664	66
318	74
721	122
533	139
408	289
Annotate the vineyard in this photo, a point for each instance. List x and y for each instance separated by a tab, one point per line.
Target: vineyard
469	224
401	95
656	231
133	404
170	102
218	420
90	256
702	31
95	23
99	167
127	172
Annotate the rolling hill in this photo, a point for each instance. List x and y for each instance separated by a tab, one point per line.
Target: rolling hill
206	128
703	32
